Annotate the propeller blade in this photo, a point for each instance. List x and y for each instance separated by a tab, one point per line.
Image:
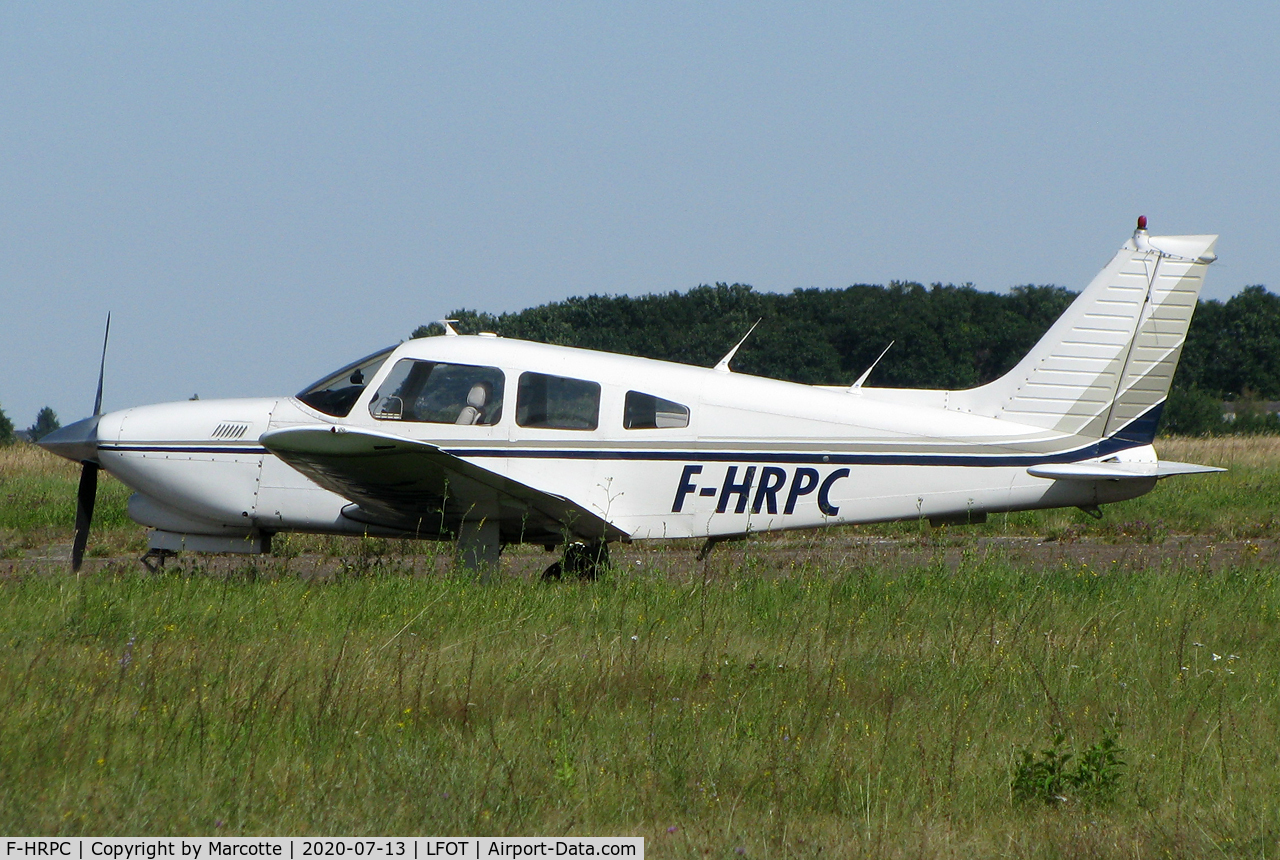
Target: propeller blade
85	497
79	440
97	401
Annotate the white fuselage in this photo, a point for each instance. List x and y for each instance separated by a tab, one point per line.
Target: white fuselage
756	454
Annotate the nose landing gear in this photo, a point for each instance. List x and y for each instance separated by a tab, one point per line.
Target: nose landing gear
153	559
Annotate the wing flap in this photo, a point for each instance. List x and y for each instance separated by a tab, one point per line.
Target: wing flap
1097	471
398	480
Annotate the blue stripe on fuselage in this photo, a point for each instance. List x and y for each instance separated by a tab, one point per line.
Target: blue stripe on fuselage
1134	434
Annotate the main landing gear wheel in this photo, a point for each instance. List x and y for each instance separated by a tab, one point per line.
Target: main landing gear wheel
154	559
581	560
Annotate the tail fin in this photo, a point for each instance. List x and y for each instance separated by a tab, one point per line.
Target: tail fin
1104	368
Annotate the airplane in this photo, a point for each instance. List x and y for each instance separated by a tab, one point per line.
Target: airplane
490	441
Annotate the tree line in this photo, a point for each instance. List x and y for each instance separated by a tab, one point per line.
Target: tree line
943	337
46	422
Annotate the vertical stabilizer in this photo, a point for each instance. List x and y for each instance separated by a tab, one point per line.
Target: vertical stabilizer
1104	368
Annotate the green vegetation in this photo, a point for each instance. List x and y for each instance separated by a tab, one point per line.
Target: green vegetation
892	691
1233	347
1051	777
46	422
38	504
6	429
843	705
944	337
1241	503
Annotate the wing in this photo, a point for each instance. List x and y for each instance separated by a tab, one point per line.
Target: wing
411	485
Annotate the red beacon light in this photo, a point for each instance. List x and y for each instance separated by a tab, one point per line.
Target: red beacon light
1142	222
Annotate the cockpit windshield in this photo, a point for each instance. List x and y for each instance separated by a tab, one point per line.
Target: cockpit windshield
336	394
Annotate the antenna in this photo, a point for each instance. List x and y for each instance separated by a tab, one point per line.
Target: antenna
857	385
723	364
448	329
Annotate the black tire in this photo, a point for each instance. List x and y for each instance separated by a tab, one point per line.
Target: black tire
586	561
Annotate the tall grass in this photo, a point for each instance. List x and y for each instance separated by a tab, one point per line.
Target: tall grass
789	697
38	503
38	490
855	708
1243	502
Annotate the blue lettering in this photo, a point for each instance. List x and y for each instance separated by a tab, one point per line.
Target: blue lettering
824	499
686	487
804	483
741	490
772	479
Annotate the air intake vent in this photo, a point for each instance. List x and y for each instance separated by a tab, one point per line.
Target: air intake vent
230	430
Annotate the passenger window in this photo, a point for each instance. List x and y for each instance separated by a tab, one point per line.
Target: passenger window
557	403
646	412
437	393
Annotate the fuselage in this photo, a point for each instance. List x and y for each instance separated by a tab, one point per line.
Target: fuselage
661	450
492	441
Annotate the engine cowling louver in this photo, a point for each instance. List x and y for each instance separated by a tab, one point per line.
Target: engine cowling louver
230	430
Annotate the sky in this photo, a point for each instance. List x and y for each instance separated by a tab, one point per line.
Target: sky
261	193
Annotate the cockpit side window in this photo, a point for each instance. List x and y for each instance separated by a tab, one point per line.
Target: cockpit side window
647	412
434	392
557	402
335	395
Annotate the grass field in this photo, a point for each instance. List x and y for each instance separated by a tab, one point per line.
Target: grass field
848	693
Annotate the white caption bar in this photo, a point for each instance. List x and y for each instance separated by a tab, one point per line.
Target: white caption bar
296	848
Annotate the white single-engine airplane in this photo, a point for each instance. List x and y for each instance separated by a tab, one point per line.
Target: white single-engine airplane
492	441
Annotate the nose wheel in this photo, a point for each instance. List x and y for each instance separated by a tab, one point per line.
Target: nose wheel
581	561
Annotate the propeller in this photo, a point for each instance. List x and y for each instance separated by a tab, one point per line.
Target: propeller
87	493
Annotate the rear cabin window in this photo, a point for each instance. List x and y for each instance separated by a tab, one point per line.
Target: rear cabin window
557	402
434	392
647	412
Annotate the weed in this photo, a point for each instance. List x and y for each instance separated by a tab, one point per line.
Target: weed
1045	778
1050	777
1098	771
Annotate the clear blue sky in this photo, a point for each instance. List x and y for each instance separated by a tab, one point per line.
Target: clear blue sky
260	193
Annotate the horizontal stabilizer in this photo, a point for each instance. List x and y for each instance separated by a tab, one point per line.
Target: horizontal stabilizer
1117	471
395	480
